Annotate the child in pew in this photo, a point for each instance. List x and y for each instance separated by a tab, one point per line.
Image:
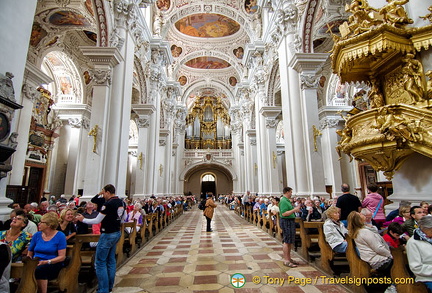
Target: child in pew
393	235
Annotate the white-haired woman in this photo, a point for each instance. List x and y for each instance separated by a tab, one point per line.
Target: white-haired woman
419	252
136	214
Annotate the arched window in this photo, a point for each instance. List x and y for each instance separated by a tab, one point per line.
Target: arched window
67	86
208	178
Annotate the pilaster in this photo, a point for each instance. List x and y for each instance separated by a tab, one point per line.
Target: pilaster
269	165
308	65
100	142
144	175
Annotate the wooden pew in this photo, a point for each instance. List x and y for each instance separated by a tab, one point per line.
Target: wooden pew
67	279
129	241
271	227
265	222
328	256
358	267
400	270
307	238
150	223
259	220
25	271
119	247
88	254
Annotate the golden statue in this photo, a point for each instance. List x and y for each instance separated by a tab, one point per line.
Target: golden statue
94	132
413	77
429	84
256	168
140	159
376	99
395	14
316	133
274	159
160	170
360	20
393	126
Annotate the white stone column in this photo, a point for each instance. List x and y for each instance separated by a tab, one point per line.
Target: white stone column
14	35
331	161
146	150
238	183
177	186
252	181
99	144
293	123
308	136
267	141
76	127
164	167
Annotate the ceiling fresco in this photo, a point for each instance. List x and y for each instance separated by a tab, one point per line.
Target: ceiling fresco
207	25
68	18
207	63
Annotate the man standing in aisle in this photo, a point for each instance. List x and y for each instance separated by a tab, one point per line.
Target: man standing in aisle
347	203
287	223
111	215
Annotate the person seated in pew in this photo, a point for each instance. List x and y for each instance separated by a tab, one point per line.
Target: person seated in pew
416	213
137	214
15	237
66	224
393	235
310	212
372	248
335	231
404	214
49	245
419	252
393	214
369	223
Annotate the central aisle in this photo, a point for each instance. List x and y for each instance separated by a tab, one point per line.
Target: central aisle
185	258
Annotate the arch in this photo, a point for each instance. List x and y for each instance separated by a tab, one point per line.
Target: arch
68	83
192	177
274	84
205	84
213	53
103	23
192	168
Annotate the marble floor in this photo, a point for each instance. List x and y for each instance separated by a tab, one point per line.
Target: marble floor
184	258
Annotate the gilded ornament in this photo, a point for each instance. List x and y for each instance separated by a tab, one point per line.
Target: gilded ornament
94	132
395	14
413	77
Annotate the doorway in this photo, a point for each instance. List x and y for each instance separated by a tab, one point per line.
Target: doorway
208	184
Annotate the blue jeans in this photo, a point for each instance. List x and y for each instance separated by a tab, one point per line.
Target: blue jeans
428	285
105	261
341	248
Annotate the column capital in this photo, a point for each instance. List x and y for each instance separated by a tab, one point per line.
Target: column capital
308	63
102	56
270	112
34	77
143	110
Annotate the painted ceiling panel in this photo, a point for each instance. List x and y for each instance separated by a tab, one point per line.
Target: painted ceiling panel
207	25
